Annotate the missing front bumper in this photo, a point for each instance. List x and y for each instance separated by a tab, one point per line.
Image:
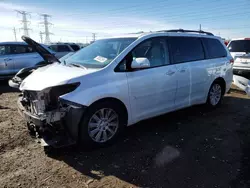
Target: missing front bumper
57	128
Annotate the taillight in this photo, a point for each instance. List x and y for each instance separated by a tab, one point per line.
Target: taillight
232	61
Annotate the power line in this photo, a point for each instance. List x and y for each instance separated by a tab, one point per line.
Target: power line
46	24
220	5
25	22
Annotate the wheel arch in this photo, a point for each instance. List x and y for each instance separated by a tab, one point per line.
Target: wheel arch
113	100
222	81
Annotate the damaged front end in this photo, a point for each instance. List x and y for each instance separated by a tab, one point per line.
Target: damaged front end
51	119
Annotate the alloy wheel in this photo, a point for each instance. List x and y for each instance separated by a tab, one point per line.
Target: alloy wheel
103	125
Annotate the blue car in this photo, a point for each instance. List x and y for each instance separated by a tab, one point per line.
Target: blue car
15	56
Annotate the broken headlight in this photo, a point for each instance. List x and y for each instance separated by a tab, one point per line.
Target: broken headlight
57	91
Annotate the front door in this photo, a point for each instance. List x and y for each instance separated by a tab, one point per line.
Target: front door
152	90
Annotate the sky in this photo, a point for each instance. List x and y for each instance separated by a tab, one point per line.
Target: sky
76	20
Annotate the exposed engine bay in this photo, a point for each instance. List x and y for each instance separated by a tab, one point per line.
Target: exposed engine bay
52	120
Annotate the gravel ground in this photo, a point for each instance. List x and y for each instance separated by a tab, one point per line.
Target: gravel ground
188	148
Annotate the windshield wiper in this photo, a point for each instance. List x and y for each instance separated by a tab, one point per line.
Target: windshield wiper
78	65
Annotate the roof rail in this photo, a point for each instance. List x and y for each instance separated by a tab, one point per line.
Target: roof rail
187	31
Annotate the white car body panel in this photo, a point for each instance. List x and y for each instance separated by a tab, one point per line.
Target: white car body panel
242	83
146	93
154	94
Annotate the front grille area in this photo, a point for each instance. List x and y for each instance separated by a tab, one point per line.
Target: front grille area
35	102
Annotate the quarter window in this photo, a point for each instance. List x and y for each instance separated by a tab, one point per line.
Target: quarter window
214	48
185	49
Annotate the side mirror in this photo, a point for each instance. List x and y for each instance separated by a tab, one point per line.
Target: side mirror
139	63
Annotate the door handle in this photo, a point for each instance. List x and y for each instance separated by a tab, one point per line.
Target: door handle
7	59
170	73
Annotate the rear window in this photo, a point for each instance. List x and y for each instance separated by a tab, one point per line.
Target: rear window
75	47
63	48
185	49
60	48
239	46
214	48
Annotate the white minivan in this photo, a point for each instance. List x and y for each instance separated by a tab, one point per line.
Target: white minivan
113	83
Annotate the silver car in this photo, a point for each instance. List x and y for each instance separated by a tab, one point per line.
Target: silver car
61	49
15	56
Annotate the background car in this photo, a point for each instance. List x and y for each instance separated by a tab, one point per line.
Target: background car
63	49
15	56
240	51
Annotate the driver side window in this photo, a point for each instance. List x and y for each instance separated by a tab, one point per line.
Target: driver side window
155	50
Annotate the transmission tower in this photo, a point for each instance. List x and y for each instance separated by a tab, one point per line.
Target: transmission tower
14	30
25	22
46	24
41	36
93	37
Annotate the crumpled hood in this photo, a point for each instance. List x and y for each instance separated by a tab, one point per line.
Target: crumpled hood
52	75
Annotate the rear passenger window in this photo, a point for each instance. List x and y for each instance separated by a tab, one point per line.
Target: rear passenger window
185	49
19	49
214	48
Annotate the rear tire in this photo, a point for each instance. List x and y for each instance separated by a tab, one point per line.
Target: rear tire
215	94
102	124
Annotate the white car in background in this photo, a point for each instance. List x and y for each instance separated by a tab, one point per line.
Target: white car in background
113	83
240	51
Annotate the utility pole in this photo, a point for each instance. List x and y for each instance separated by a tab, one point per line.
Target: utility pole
200	27
41	36
14	30
46	24
25	22
93	37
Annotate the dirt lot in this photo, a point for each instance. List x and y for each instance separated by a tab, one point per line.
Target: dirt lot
189	148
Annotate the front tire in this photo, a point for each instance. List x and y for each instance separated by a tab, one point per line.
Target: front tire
215	94
102	123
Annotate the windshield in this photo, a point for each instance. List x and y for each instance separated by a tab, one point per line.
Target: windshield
100	53
239	46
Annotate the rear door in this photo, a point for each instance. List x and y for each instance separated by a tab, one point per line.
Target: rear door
217	63
188	54
6	61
